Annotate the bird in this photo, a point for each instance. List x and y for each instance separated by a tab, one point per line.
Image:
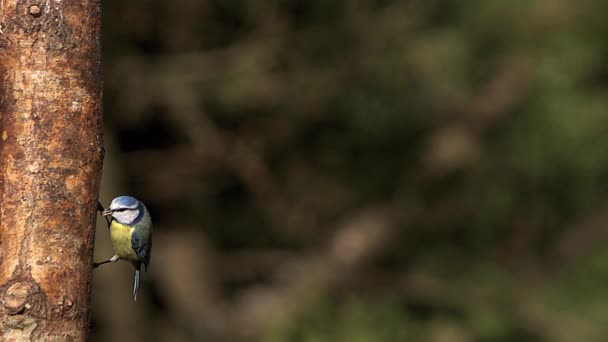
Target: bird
131	234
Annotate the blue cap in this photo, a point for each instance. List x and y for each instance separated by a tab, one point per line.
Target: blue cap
126	201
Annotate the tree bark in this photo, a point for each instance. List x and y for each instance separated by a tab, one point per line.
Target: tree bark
51	154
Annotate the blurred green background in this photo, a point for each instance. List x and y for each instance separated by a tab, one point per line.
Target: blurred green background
365	170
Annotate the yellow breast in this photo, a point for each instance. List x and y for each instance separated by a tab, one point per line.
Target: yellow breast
121	241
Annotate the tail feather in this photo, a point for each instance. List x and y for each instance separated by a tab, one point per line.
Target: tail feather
136	284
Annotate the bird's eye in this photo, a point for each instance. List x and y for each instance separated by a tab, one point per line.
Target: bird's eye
121	209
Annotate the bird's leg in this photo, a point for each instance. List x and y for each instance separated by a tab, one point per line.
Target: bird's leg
112	259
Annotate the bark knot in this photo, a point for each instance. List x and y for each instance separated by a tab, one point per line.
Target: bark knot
21	296
16	298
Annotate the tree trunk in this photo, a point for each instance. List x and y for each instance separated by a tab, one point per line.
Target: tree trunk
50	166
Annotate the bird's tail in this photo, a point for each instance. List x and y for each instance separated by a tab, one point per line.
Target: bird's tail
136	284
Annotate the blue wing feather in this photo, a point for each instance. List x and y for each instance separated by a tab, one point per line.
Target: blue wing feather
142	248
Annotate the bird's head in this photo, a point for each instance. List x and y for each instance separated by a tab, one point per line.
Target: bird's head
125	209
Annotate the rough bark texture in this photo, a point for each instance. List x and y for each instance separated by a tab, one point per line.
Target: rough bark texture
50	166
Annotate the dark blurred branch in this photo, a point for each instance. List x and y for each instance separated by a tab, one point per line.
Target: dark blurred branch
304	278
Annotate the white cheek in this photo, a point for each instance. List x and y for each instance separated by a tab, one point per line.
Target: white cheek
126	217
121	217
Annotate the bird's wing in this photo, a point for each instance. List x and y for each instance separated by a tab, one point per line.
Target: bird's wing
142	246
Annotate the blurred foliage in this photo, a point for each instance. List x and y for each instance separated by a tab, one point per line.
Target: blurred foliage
368	170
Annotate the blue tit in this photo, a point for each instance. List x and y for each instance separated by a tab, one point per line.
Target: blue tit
131	234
